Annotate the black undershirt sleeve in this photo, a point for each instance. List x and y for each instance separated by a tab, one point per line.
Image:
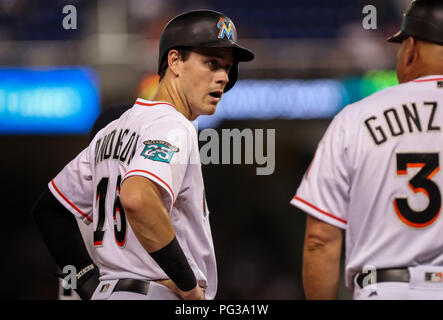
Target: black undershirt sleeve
64	241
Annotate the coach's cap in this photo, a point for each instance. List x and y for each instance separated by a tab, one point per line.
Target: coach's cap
423	20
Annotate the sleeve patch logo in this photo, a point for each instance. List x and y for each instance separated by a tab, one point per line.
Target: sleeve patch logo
159	150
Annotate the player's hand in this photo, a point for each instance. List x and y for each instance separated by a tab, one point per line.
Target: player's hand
198	293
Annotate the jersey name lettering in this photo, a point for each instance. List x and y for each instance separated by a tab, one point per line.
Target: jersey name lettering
397	121
123	149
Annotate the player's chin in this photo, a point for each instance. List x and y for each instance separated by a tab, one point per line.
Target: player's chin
210	108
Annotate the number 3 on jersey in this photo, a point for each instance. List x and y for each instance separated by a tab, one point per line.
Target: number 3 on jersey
118	214
421	182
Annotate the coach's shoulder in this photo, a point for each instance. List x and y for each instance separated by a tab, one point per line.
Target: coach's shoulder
377	99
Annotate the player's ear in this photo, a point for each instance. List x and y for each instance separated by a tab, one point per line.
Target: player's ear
173	61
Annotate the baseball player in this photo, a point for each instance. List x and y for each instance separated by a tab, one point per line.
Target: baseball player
139	183
375	176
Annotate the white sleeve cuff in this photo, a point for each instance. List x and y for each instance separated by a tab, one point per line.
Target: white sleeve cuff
318	213
68	204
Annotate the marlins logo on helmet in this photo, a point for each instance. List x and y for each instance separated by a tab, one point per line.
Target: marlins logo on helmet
225	28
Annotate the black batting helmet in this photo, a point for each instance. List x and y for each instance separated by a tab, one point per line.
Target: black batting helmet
203	29
423	20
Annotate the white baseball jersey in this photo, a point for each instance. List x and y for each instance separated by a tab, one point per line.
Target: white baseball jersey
155	141
376	175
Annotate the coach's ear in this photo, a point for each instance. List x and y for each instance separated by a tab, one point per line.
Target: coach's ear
174	61
410	52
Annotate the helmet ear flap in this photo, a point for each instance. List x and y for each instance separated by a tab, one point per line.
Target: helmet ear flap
233	75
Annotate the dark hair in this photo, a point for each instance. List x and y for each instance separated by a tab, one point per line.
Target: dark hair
183	53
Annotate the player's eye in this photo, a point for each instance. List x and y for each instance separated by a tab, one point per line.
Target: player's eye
213	64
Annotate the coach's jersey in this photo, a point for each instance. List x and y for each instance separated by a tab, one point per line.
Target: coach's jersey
376	174
155	141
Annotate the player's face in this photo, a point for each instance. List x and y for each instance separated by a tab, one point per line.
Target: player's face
203	78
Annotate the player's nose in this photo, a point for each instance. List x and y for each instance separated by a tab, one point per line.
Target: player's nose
222	77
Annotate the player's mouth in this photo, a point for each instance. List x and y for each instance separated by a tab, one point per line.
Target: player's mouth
216	95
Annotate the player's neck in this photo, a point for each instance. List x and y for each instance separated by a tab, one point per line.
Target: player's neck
167	92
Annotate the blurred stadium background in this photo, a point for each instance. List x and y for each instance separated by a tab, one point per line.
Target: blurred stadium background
312	58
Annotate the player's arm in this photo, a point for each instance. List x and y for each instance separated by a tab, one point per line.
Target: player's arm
321	259
149	219
62	236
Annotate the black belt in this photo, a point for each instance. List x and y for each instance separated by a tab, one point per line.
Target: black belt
132	285
386	275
